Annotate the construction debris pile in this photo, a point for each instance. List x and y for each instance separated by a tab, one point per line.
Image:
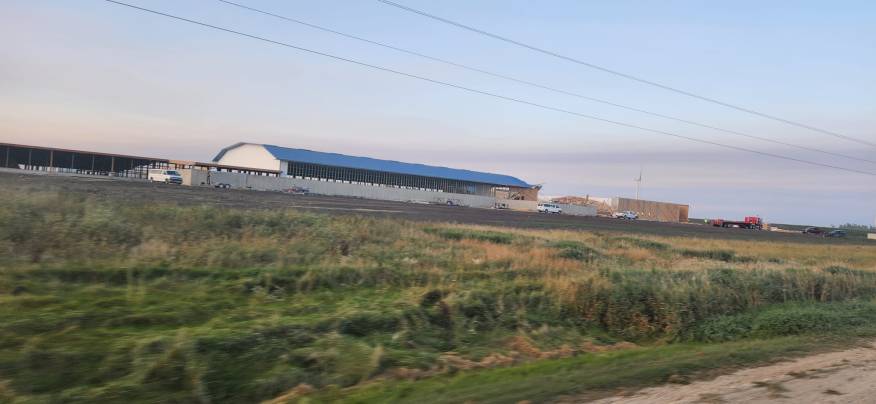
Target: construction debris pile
603	206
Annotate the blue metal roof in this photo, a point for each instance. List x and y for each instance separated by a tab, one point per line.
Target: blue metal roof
367	163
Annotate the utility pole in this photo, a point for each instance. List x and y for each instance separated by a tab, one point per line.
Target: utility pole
638	183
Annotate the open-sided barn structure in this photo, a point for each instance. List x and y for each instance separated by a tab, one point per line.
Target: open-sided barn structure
273	168
340	168
57	160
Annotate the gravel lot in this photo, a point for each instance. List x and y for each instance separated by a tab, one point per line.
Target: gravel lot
837	377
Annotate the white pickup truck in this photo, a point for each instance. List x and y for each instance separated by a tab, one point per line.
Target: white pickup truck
627	214
165	176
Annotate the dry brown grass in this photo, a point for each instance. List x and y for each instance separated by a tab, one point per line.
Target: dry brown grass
855	256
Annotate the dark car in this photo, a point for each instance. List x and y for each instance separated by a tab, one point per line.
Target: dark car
813	230
836	233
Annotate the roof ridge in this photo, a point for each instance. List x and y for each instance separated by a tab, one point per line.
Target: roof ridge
372	163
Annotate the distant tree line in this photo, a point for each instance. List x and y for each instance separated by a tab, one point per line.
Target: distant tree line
853	226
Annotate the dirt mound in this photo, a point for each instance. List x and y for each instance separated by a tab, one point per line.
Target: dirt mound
602	208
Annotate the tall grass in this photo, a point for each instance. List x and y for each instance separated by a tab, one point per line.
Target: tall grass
111	302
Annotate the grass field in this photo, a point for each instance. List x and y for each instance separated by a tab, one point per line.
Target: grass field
159	303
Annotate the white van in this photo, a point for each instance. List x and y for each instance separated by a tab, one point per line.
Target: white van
549	208
165	176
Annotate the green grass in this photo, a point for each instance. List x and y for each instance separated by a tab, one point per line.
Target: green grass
643	243
575	250
787	319
461	234
104	302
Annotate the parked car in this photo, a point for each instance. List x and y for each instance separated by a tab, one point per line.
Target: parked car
813	230
627	214
836	233
549	208
165	176
297	191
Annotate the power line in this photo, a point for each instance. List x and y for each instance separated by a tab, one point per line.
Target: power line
475	91
625	75
541	86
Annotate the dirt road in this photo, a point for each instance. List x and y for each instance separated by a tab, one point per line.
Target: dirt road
125	191
836	377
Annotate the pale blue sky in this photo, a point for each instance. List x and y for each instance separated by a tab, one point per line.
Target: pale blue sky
92	75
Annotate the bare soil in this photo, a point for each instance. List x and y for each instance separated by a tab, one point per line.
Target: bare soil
837	377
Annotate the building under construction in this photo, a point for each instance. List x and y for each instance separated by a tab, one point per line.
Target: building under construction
647	210
652	210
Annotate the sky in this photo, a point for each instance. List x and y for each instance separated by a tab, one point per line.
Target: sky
92	75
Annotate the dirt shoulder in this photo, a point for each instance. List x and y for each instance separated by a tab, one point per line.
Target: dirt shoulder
838	377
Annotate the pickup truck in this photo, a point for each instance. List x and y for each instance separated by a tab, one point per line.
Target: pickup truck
627	214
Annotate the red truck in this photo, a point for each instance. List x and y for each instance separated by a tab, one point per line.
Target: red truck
750	222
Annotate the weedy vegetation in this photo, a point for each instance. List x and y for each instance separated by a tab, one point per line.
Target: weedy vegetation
108	301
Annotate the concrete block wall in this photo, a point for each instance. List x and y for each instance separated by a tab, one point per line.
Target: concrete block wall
577	210
265	183
518	204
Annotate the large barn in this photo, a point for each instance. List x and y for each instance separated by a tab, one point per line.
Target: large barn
333	167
